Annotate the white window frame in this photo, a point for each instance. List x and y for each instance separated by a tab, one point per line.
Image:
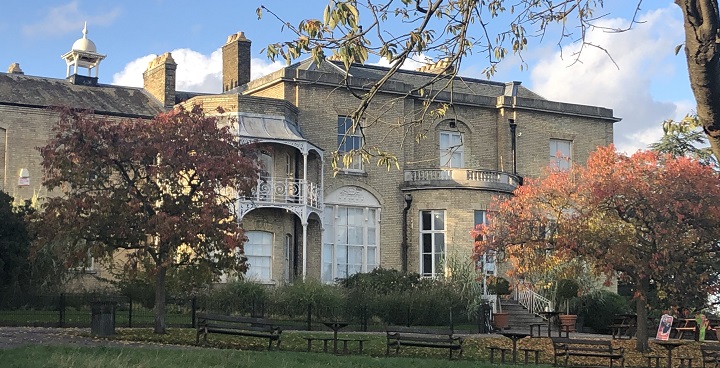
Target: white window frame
268	239
347	141
448	151
332	247
557	149
433	232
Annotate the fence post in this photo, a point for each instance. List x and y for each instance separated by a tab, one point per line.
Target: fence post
364	318
61	307
452	323
408	317
309	317
130	310
193	310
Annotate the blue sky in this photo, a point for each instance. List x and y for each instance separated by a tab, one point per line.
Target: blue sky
647	83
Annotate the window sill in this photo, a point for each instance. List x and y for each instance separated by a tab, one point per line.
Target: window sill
353	173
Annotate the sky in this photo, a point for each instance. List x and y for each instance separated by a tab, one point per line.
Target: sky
637	74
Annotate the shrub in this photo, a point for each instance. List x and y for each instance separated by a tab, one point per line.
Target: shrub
599	309
326	301
238	297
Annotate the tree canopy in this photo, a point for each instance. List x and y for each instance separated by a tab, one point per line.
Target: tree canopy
647	218
162	191
455	31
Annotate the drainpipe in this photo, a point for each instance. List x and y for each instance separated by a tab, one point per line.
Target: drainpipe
513	144
405	245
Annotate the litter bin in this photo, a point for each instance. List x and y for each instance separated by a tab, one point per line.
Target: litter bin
102	322
484	316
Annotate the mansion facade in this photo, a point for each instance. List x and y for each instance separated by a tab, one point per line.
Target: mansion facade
304	219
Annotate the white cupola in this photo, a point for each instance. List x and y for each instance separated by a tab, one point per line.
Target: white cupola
84	55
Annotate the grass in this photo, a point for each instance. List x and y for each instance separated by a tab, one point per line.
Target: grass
236	351
55	356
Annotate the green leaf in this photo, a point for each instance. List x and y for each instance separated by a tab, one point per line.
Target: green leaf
677	48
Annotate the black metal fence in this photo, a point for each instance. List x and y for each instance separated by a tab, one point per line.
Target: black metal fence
74	310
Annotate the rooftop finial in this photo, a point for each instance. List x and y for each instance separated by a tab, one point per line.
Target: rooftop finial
85	30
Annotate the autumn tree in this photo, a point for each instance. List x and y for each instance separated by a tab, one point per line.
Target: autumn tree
158	192
647	218
457	31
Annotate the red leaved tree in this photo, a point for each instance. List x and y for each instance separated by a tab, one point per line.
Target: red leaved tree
647	217
161	190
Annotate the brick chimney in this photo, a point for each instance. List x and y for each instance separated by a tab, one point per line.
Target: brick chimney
236	61
159	79
15	69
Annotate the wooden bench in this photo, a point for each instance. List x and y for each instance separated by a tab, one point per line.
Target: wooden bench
623	325
566	348
236	325
710	355
398	336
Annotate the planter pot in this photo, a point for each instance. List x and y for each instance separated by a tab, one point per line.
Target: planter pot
568	320
500	320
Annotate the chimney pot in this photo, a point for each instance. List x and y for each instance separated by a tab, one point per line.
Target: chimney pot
14	68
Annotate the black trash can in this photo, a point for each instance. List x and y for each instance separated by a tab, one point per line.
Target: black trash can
484	316
103	318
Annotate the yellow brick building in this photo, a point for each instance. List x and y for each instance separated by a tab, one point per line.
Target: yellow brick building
303	220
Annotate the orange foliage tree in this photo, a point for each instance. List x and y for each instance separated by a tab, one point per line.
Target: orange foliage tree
644	218
162	191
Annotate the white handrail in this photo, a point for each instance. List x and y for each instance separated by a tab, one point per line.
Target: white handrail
532	301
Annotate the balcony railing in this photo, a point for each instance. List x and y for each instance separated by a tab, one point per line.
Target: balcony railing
486	179
286	191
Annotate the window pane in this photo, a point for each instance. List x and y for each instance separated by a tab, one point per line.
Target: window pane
480	217
427	243
439	220
439	243
426	220
372	236
427	264
371	256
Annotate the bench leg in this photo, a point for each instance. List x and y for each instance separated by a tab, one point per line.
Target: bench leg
502	356
492	355
360	346
345	350
526	356
325	345
309	345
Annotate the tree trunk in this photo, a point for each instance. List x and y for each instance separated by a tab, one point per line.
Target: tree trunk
702	25
160	299
642	323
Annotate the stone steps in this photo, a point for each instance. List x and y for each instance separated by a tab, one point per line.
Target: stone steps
520	319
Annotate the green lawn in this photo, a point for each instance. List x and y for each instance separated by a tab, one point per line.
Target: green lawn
52	356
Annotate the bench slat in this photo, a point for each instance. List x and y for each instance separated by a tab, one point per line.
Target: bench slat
398	336
237	325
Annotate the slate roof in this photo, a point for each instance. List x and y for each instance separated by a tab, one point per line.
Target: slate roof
472	86
40	92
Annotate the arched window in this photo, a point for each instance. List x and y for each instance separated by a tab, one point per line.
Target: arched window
452	150
351	233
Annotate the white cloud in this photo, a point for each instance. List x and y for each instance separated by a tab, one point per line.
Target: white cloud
67	18
411	63
195	72
643	56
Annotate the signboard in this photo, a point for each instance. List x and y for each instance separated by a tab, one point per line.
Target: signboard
663	332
